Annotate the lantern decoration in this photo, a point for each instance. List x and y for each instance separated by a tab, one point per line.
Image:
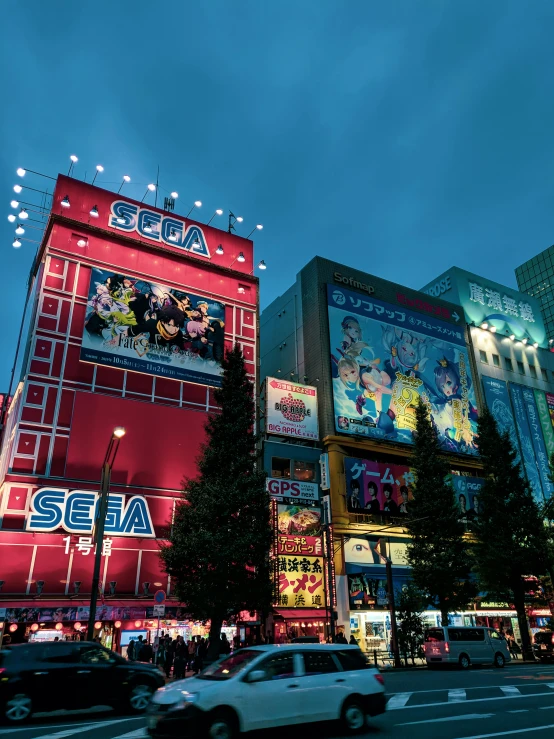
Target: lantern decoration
138	624
117	624
174	622
59	627
98	625
13	628
77	626
34	627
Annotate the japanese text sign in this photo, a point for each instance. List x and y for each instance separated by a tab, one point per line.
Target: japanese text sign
377	487
291	410
301	581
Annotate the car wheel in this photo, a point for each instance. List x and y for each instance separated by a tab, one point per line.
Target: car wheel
464	662
18	708
139	697
353	716
222	725
499	660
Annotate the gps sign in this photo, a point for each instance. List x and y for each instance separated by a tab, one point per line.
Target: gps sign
291	491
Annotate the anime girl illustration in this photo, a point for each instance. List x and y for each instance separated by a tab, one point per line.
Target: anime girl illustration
407	352
352	332
377	383
109	316
349	374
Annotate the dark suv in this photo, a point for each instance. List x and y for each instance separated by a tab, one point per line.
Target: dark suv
47	676
543	645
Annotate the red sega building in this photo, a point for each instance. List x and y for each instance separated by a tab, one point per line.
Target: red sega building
123	298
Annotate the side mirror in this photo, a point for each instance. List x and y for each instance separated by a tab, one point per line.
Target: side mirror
257	676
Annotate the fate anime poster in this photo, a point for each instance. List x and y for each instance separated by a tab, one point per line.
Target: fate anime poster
146	327
385	357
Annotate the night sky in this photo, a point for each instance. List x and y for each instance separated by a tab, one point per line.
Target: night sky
398	137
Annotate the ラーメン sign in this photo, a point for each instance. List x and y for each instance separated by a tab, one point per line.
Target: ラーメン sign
75	511
291	410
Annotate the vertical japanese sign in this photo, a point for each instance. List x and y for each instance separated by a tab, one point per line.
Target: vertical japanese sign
376	487
498	402
550	402
525	440
539	446
385	357
545	417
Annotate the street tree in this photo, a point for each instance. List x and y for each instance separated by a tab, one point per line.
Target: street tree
218	549
512	539
410	604
438	552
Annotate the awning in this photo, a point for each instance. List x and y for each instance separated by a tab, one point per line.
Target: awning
301	614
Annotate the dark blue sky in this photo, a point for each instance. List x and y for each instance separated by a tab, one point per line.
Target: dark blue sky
398	137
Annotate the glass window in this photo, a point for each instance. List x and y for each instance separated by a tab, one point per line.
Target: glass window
230	666
95	655
60	652
483	356
508	364
475	635
494	634
544	375
351	659
280	467
279	667
434	635
496	360
520	368
304	471
533	371
319	663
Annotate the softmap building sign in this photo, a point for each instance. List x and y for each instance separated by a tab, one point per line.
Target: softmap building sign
508	310
291	410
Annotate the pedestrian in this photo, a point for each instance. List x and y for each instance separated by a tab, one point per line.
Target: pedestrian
191	654
180	661
224	646
341	639
201	650
131	650
145	651
169	654
353	641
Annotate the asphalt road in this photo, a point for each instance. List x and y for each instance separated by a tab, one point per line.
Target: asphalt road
479	704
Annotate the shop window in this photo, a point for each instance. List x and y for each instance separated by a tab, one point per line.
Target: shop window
483	356
496	360
544	375
280	467
533	371
520	368
304	471
319	663
508	364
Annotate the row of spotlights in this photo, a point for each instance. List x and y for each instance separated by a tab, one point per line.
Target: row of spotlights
512	337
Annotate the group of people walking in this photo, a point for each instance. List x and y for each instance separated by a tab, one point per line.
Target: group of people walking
176	654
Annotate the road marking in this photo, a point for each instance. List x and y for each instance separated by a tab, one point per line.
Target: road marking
449	718
137	734
398	700
471	700
521	710
75	730
550	685
545	708
474	687
456	696
505	733
510	690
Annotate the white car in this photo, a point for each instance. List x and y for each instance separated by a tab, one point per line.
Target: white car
269	686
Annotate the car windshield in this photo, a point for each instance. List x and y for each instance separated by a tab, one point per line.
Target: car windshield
543	637
434	635
230	666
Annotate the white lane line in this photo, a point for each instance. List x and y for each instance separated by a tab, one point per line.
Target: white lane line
471	700
93	724
505	733
137	734
398	700
550	685
545	708
521	710
75	730
510	690
457	696
449	718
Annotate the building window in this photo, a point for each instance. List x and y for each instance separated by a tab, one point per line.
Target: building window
520	368
483	356
508	364
280	467
544	375
533	371
304	471
496	360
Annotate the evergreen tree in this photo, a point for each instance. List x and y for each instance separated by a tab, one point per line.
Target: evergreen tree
438	552
512	540
218	550
410	603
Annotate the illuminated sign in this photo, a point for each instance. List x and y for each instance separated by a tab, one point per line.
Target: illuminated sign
305	545
300	581
75	511
296	491
154	226
291	410
440	287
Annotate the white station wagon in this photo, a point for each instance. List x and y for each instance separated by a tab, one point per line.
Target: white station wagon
269	686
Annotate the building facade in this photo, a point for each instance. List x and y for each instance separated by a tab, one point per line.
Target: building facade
130	310
536	278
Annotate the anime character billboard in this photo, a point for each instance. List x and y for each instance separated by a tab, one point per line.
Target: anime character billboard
384	358
146	327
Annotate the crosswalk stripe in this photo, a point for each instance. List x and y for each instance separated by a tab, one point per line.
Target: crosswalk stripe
550	685
137	734
399	700
510	690
464	717
76	730
456	696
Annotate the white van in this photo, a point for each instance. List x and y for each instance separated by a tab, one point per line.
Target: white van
465	645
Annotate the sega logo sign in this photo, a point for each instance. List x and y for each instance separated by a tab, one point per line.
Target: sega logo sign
279	488
75	511
147	223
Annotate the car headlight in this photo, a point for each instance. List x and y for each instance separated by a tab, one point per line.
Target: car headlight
186	699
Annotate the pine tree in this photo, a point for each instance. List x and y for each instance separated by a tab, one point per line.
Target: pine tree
438	553
218	549
512	540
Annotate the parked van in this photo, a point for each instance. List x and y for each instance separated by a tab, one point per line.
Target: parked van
465	645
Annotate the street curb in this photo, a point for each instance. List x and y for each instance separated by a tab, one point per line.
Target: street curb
390	668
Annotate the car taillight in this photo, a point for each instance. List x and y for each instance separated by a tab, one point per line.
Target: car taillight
552	638
380	678
2	669
446	647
